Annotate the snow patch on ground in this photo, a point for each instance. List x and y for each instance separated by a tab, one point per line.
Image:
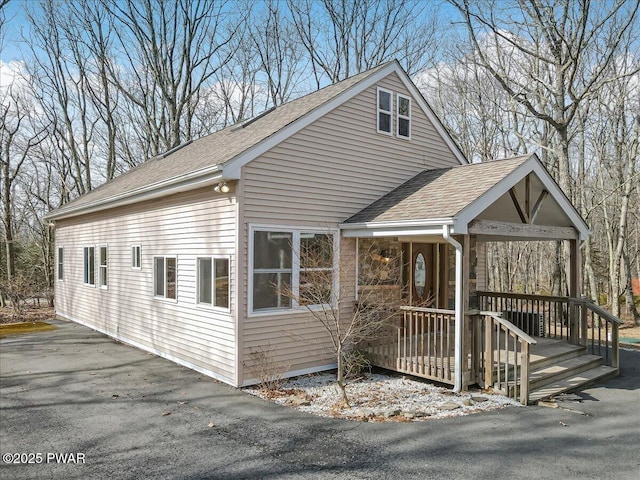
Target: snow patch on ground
378	397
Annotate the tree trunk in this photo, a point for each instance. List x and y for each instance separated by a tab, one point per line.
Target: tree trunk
344	400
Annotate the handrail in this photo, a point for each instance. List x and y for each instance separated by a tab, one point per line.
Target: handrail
427	310
511	327
607	347
599	310
579	321
510	360
528	296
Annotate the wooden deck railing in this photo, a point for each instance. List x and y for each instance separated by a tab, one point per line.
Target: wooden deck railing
422	344
601	329
497	339
505	362
576	320
536	315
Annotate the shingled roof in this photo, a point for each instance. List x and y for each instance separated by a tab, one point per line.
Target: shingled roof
437	194
210	154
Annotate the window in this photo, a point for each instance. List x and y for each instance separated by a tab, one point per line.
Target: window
60	263
213	281
102	270
165	277
89	265
136	256
291	268
272	269
384	111
316	268
404	116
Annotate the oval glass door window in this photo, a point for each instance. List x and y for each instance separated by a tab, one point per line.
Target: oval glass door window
420	275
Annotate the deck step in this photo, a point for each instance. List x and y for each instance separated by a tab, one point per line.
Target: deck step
565	368
553	353
574	382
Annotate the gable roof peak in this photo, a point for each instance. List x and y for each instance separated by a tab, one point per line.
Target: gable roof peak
221	155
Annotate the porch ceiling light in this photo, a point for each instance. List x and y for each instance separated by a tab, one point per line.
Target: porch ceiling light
381	257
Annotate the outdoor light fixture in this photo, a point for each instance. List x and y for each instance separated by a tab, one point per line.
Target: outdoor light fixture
383	256
221	187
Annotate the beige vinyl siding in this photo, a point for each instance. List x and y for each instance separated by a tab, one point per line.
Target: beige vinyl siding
186	225
319	177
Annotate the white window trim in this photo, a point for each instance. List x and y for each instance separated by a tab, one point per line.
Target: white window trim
164	298
133	267
211	306
295	268
85	266
60	265
100	267
389	112
398	97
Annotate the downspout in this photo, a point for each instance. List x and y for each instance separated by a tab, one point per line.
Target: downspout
459	306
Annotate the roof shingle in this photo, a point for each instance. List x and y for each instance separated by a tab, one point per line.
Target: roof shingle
437	194
217	148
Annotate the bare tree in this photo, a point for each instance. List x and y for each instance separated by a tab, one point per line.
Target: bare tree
345	37
346	324
542	55
20	132
275	43
169	51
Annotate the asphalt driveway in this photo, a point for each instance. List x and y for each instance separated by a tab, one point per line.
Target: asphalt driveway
94	409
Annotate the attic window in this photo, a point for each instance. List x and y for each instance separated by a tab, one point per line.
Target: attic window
385	107
404	116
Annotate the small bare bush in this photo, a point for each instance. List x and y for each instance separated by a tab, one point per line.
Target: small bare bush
18	290
266	368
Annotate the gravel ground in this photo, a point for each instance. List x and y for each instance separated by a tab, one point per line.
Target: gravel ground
378	397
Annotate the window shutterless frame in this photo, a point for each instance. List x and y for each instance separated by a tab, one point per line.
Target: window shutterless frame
60	264
136	257
384	111
403	122
165	277
273	279
213	286
89	266
103	266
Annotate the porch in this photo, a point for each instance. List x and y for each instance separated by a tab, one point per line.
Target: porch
424	245
527	347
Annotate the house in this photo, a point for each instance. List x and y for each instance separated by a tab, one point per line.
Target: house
187	255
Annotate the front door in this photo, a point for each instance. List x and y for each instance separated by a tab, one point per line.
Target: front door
422	275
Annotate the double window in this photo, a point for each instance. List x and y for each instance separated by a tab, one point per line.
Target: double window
89	262
165	277
291	267
213	281
385	115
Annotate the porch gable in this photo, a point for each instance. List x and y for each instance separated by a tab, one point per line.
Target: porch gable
514	197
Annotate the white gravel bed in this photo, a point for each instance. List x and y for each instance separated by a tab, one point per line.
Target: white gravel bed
378	397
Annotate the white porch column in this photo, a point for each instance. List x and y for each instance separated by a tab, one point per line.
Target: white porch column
459	308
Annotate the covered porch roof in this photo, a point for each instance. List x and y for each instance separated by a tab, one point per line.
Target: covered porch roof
515	198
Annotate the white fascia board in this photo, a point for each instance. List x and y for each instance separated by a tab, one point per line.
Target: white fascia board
183	183
393	231
532	164
232	168
435	120
407	223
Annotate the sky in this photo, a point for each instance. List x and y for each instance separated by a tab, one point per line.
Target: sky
15	24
